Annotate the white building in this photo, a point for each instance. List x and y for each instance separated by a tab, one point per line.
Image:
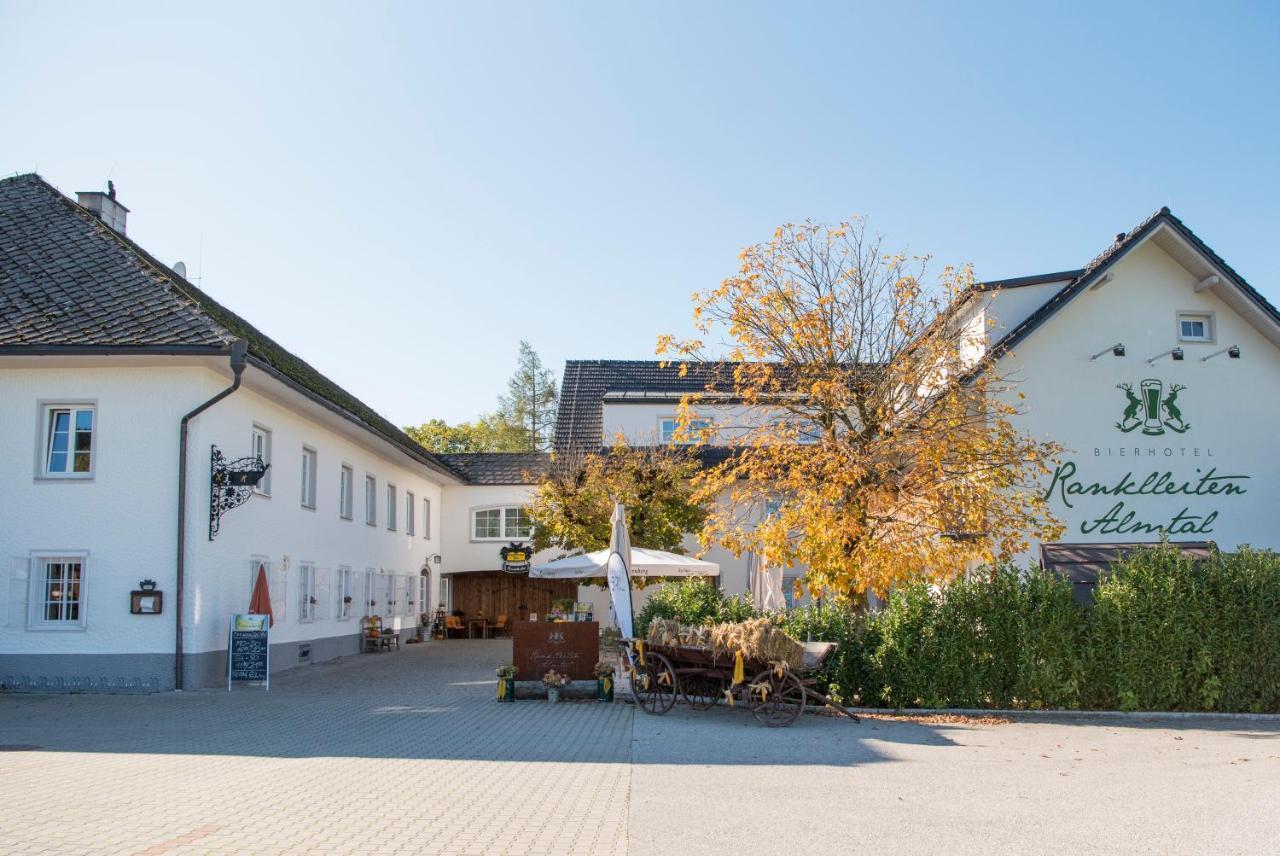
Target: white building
104	350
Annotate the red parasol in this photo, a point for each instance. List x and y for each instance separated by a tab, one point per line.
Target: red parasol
260	602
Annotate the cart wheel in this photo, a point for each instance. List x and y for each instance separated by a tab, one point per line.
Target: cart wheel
654	685
702	692
785	702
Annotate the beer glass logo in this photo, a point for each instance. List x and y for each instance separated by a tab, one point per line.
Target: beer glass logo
1151	410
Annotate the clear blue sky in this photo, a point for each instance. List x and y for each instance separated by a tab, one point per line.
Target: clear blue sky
400	193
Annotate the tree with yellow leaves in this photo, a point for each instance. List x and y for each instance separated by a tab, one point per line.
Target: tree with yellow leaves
872	443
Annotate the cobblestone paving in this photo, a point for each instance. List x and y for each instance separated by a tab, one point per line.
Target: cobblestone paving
408	753
384	753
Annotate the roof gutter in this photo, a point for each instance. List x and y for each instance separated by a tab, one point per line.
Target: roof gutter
239	359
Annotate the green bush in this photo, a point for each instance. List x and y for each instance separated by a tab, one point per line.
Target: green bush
1166	632
693	601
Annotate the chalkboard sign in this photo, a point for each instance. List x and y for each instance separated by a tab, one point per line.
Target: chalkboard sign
249	650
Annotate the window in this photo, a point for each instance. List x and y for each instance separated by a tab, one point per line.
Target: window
424	604
426	519
308	477
57	600
346	488
306	592
68	441
391	507
346	598
410	509
370	593
371	500
667	426
516	523
1195	326
501	524
445	591
488	523
260	447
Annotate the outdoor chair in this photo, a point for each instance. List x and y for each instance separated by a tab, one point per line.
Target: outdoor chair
453	624
502	625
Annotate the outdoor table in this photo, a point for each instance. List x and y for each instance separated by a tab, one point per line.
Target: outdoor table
473	623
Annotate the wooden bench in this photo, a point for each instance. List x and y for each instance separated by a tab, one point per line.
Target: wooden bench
374	637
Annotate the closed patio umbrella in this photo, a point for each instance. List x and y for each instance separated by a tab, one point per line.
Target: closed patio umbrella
766	586
260	601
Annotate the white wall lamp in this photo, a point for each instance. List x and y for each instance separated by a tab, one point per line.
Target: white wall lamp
1176	353
1117	349
1232	352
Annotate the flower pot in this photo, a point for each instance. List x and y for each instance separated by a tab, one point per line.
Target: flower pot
604	688
506	689
553	694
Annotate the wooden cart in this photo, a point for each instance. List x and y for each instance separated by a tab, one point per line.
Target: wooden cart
703	678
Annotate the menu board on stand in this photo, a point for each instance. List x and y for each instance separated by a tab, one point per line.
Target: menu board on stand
249	650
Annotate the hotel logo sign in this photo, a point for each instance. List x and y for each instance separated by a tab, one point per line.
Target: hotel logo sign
1151	409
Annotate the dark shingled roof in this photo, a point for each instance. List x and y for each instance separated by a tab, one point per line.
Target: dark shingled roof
580	422
500	467
69	283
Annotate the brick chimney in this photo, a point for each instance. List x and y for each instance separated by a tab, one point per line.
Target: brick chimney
105	207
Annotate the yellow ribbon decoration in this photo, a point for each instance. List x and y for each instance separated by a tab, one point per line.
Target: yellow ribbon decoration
738	669
502	688
608	685
640	650
728	696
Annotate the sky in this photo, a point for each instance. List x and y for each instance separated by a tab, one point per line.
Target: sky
400	193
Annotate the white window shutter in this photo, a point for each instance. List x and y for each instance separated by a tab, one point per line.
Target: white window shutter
410	596
18	601
278	580
322	593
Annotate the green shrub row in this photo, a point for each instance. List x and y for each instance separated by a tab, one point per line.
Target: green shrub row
1165	632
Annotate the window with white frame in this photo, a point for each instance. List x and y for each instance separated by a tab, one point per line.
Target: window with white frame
500	524
426	519
260	447
370	592
1195	326
411	595
308	477
668	425
391	507
306	592
446	592
346	594
371	500
57	592
69	441
423	593
410	509
346	492
390	596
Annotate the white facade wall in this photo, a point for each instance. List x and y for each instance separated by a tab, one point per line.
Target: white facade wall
125	518
1229	405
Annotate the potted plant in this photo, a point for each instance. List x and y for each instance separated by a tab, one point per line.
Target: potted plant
554	682
507	683
604	681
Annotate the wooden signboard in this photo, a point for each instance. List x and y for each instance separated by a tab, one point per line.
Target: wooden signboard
249	650
570	647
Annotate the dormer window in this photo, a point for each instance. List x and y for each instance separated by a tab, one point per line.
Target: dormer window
1195	327
667	426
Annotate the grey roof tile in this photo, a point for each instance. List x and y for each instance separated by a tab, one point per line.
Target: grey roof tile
500	467
69	281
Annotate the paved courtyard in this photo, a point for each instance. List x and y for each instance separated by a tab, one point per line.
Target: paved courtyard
408	753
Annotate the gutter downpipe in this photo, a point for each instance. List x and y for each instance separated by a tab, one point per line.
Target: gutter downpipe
239	359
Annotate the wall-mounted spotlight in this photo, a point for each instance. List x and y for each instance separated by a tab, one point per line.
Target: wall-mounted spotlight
1117	349
1232	352
1176	353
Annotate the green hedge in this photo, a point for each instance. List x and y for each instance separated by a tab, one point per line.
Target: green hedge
1165	632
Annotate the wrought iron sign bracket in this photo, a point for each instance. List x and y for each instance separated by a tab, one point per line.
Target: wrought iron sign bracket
231	483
